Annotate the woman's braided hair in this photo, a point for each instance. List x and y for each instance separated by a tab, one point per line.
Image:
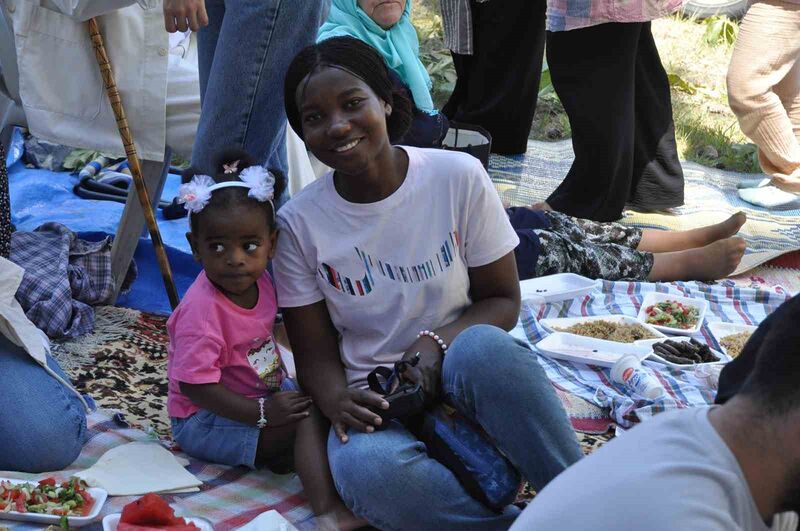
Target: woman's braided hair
356	58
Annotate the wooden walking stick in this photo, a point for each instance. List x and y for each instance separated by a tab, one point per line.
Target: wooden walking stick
133	160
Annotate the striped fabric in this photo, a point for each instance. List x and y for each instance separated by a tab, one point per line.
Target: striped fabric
229	497
728	304
457	22
565	15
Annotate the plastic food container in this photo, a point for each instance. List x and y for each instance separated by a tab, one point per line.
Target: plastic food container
558	324
554	288
654	297
648	343
588	350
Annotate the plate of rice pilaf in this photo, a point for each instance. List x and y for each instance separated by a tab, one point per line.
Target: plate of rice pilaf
731	337
618	328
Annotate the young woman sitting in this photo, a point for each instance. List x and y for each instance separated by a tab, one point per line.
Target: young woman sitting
394	243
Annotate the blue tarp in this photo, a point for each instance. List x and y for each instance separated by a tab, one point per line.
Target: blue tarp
38	196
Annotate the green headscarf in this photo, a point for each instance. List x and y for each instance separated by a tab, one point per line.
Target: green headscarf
399	45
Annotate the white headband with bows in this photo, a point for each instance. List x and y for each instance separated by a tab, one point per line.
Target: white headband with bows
196	194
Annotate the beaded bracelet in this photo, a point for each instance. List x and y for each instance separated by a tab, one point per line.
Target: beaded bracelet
262	421
435	337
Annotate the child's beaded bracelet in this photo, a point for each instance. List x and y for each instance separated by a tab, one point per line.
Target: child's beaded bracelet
262	420
435	337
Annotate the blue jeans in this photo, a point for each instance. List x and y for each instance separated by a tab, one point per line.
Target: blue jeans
387	478
243	56
42	423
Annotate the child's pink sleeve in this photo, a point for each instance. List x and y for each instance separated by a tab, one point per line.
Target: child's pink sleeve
196	359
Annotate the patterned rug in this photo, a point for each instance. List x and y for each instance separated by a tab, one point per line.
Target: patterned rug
710	197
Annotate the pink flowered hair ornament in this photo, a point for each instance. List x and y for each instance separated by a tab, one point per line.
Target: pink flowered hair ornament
196	194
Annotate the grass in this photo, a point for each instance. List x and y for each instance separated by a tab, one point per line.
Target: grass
705	128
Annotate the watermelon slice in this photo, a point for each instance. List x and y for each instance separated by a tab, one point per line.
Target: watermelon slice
151	511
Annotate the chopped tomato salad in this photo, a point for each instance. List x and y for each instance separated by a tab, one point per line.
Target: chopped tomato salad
69	498
672	314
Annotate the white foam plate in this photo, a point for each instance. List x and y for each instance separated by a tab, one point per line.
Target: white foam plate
554	288
723	358
111	521
720	330
655	297
588	350
552	324
97	493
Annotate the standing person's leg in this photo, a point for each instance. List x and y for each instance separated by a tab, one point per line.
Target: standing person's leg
497	86
207	39
657	181
387	478
243	99
42	423
497	381
766	51
593	73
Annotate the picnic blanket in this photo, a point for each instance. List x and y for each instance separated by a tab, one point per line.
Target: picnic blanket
229	497
726	303
711	196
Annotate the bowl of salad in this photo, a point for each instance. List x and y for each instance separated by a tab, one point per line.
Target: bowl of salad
69	503
673	314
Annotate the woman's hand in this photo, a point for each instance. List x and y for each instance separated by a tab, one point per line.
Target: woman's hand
180	15
286	407
428	371
352	411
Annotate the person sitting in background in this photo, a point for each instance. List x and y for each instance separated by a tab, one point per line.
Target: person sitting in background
43	419
386	26
734	466
764	94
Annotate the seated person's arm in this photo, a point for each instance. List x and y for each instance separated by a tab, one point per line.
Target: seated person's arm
221	401
315	345
494	289
283	407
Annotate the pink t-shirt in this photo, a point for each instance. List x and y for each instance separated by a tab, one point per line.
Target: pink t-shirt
212	340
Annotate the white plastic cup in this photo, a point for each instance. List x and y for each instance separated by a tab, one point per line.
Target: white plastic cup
628	371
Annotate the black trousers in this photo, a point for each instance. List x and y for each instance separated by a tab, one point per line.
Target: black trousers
616	94
498	85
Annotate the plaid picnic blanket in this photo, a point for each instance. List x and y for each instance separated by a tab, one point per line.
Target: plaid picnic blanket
229	497
726	303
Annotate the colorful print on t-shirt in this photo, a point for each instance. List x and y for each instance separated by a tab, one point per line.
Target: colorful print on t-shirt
267	363
408	274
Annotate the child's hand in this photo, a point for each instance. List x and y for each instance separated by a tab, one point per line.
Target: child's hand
286	407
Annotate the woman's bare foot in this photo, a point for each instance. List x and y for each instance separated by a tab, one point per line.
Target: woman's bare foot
712	262
340	520
662	241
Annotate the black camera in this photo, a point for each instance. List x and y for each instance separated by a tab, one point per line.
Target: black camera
404	402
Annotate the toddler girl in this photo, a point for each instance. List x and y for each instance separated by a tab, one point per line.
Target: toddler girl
229	398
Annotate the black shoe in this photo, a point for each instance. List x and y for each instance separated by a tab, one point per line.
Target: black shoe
174	210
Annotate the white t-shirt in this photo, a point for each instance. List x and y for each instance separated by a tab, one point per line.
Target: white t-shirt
671	473
394	267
